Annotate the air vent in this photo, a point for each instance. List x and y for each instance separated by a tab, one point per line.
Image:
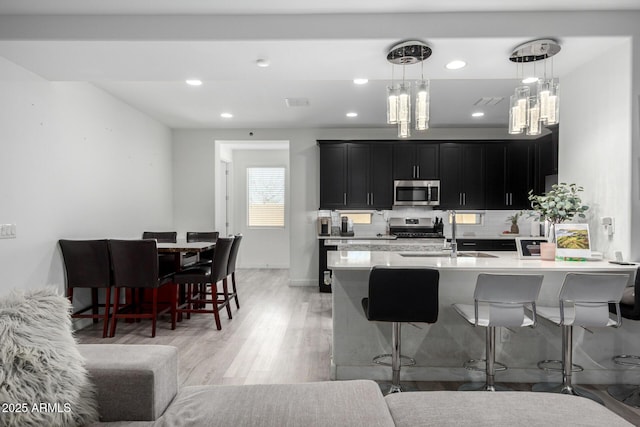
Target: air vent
297	102
488	101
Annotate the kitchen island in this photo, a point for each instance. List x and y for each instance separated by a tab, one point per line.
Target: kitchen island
440	349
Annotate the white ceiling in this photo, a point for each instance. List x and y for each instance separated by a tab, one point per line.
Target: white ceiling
149	73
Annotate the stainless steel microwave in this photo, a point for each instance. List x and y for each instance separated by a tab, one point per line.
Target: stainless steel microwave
416	193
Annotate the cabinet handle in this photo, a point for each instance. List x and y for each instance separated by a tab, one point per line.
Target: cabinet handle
460	199
506	199
344	199
372	199
464	199
510	199
413	171
418	174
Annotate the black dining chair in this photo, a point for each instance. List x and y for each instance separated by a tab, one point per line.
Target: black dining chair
231	267
135	267
206	257
195	277
87	265
167	263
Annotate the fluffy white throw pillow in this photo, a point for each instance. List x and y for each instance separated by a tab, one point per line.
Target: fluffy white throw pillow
43	381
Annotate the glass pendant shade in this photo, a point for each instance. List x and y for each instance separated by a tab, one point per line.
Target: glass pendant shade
422	106
392	105
519	110
404	130
549	100
404	103
534	127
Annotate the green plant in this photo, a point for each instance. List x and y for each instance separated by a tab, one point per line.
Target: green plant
562	203
514	218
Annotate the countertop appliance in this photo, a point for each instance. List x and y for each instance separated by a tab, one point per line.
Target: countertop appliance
416	227
416	193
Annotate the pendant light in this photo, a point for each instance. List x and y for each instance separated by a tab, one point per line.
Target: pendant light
399	96
528	113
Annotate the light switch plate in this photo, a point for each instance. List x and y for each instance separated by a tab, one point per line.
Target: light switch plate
7	231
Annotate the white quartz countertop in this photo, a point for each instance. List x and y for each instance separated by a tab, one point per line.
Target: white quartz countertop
360	237
502	261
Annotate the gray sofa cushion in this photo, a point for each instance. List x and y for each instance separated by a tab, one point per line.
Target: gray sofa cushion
134	382
469	408
335	404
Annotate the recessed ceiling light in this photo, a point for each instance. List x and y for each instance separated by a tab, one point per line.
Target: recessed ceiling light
352	114
529	80
477	114
263	63
226	115
456	65
361	81
193	82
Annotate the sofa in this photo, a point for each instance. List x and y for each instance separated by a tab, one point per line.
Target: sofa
137	385
48	379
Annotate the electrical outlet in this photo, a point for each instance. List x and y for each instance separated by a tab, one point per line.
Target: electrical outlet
7	231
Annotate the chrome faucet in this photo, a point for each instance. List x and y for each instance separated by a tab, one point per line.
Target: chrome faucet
454	244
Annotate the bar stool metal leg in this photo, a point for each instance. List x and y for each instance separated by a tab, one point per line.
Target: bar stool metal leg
567	386
490	367
395	359
628	394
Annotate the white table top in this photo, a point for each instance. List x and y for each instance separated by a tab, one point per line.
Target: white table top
504	261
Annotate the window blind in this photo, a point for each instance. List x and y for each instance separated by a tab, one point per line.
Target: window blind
265	191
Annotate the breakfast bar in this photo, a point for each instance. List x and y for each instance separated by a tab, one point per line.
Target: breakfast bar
441	348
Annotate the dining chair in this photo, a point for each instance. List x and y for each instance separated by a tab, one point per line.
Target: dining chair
194	277
206	257
499	300
583	301
135	267
167	263
87	265
161	236
231	267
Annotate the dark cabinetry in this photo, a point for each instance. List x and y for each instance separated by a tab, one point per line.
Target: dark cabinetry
486	244
356	175
509	174
415	160
462	176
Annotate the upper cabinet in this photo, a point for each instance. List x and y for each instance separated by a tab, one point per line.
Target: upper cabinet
359	175
509	174
462	176
415	160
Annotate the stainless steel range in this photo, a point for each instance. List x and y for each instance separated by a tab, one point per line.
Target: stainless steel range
416	227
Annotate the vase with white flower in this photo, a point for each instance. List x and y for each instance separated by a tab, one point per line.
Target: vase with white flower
561	203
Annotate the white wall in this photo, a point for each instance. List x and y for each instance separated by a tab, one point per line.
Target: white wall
76	163
261	247
595	135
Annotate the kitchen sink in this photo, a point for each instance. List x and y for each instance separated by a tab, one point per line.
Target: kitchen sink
447	254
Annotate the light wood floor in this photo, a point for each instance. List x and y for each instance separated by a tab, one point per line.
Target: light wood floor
280	334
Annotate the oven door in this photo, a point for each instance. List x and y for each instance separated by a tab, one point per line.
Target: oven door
416	193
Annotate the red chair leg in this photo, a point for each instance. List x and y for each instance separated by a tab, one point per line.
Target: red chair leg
174	304
225	292
107	304
114	318
216	312
154	312
94	304
235	291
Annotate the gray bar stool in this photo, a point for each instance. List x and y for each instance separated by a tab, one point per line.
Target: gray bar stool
499	300
401	295
629	309
583	301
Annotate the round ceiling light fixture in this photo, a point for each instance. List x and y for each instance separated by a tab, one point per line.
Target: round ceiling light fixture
360	81
263	63
226	115
409	52
456	65
535	50
193	82
477	114
352	114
